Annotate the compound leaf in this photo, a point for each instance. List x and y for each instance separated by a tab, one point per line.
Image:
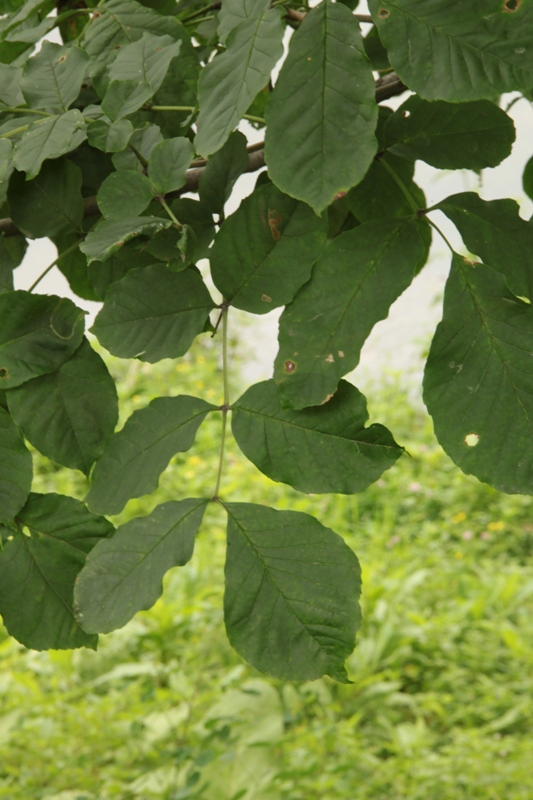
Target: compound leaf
16	471
69	415
291	602
230	82
322	114
477	383
38	568
37	334
495	231
295	446
451	136
265	251
153	313
138	454
455	51
124	574
361	273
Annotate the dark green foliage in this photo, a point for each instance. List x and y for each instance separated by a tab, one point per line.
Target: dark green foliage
99	138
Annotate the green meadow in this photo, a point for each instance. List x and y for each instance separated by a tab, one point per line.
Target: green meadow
440	704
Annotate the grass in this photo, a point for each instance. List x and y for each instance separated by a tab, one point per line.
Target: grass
440	705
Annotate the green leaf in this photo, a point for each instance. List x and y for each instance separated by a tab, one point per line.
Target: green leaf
229	83
495	232
137	455
527	179
37	334
449	50
354	283
375	51
144	142
38	569
233	12
477	383
124	574
69	415
169	162
125	97
12	252
16	471
153	313
132	256
147	59
120	22
73	265
52	79
110	235
50	204
294	446
124	195
10	93
291	603
322	114
265	251
198	221
48	138
109	137
221	172
378	195
450	136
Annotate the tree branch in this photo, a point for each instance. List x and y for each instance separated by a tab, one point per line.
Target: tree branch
387	86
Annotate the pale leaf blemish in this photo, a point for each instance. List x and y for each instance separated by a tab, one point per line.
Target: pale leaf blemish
459	368
471	439
330	359
328	398
265	298
341	353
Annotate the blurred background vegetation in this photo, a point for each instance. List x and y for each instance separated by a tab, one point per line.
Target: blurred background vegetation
440	706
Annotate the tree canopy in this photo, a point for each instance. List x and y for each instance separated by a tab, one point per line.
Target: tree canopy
100	138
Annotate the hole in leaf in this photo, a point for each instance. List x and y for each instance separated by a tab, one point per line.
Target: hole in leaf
383	13
511	5
471	439
406	114
4	373
290	366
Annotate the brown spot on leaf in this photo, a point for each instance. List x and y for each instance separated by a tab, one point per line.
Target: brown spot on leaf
265	298
274	219
61	59
511	6
339	196
97	14
328	397
383	13
290	366
470	262
4	372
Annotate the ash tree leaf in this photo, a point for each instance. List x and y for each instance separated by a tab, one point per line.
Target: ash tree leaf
110	137
455	51
169	162
527	179
292	586
478	377
50	204
51	137
124	195
153	313
294	446
137	455
125	97
69	415
322	114
110	235
16	470
354	283
495	231
450	135
38	569
52	79
230	82
37	334
265	251
124	574
221	172
10	93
